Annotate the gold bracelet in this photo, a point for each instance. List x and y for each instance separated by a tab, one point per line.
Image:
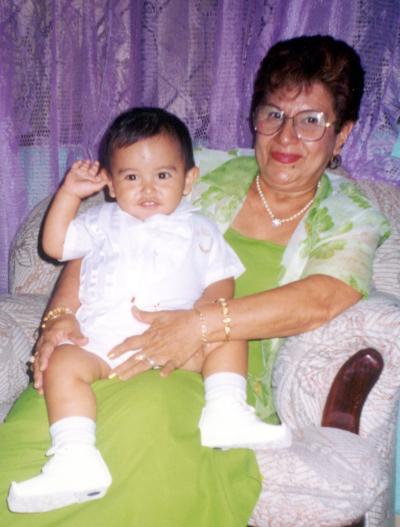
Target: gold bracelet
226	317
55	313
203	328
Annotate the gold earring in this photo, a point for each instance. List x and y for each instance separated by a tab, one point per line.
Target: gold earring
335	162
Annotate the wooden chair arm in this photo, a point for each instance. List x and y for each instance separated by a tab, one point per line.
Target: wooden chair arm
349	391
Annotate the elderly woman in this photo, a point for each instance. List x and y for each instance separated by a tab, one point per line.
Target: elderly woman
307	240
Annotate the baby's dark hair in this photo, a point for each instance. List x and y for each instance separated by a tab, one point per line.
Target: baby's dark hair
141	123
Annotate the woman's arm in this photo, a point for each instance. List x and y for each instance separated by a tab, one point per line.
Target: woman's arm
64	326
287	310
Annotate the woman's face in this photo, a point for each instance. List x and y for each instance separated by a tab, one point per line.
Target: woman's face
291	164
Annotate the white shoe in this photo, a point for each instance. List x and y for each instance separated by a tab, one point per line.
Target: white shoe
75	473
231	423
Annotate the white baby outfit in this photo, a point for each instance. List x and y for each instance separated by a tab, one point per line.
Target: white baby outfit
163	262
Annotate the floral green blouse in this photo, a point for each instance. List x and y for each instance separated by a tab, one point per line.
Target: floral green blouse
338	236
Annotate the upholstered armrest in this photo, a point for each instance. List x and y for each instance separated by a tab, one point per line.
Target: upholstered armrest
19	317
308	363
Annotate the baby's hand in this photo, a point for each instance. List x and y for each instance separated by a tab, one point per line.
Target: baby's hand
84	179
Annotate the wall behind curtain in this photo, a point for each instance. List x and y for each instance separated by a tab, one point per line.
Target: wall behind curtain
67	67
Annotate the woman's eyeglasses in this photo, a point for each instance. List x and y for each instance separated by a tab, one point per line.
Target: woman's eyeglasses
309	125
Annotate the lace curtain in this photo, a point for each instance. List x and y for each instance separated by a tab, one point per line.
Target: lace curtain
67	67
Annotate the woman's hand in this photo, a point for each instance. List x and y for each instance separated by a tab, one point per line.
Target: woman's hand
56	331
171	340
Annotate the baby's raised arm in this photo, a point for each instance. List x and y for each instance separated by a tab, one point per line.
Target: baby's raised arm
81	181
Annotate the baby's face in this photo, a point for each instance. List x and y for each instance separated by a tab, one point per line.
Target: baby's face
149	176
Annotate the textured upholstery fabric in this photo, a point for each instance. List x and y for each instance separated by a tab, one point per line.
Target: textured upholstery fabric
327	473
317	480
19	318
387	261
30	272
308	363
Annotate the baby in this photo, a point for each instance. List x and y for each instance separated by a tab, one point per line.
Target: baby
149	248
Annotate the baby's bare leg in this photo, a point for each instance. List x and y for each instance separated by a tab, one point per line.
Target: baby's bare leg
67	380
220	357
226	357
76	472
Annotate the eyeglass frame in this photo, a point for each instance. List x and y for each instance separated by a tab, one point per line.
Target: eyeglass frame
292	118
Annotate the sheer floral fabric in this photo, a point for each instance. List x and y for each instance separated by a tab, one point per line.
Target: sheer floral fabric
68	66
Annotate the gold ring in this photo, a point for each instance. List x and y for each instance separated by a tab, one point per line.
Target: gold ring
152	363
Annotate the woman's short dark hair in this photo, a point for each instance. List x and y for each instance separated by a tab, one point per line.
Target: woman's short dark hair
141	123
303	61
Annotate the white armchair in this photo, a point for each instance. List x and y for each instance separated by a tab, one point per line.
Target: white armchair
329	477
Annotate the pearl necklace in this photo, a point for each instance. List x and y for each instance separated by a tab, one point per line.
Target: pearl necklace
277	222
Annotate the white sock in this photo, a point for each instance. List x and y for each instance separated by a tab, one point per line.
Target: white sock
75	429
222	384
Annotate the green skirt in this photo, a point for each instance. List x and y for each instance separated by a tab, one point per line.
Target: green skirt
147	433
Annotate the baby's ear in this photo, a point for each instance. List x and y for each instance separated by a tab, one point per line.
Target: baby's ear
109	182
190	178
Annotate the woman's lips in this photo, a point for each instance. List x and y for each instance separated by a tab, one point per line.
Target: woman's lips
288	159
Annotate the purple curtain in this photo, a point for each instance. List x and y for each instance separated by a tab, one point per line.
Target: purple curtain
69	66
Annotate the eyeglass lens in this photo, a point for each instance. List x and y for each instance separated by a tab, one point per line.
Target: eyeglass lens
308	124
